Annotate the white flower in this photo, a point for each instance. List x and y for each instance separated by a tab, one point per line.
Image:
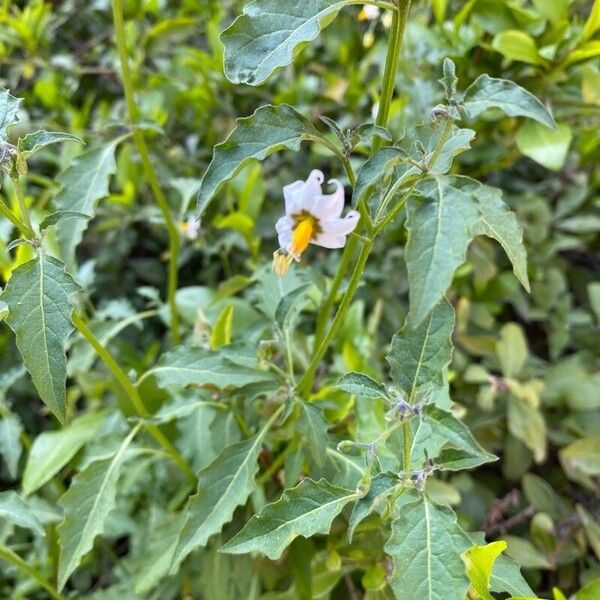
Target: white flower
311	217
369	13
191	228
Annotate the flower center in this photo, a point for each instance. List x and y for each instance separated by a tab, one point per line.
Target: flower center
305	229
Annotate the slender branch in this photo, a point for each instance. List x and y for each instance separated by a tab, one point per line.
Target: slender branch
134	395
306	381
327	306
14	559
399	20
22	204
406	445
140	142
22	227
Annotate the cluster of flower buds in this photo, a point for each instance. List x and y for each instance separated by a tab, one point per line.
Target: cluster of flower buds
401	409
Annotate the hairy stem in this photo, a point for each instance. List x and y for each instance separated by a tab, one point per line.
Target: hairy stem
14	559
399	20
406	445
140	143
134	395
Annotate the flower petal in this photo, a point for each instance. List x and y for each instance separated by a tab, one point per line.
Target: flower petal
329	206
329	241
284	231
341	226
301	195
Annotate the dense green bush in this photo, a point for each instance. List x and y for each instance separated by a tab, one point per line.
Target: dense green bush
414	416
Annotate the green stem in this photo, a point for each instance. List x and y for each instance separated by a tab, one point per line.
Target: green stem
14	559
22	204
304	385
406	446
20	225
399	20
140	142
327	306
134	395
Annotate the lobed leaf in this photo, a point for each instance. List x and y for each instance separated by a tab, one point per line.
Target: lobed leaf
84	183
305	510
189	365
268	130
39	299
488	92
425	547
223	485
87	504
418	357
266	36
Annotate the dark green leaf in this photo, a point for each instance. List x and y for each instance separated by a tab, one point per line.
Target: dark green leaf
305	510
268	130
361	385
39	299
488	92
32	142
9	107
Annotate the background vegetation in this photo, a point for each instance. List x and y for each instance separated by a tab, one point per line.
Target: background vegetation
524	374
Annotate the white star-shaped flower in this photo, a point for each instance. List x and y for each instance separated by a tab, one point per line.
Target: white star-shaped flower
311	217
369	13
191	228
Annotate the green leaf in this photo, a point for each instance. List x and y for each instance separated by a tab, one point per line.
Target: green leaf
518	45
488	92
593	23
16	511
437	428
33	142
511	350
525	553
188	365
267	35
440	227
527	424
581	458
376	167
290	306
305	510
361	385
52	450
584	52
439	231
57	217
268	130
38	296
223	485
592	529
381	485
221	333
10	442
479	561
498	222
548	147
84	183
425	546
452	459
418	357
87	504
438	159
313	425
590	591
9	107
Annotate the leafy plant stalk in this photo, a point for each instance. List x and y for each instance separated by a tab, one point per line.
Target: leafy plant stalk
140	143
14	559
399	21
134	395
